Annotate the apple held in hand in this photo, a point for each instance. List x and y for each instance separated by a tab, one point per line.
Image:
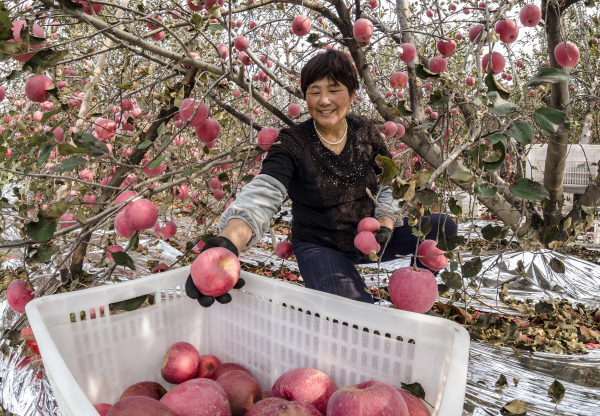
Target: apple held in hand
215	271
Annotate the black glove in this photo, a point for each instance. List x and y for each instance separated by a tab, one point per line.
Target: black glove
382	237
192	291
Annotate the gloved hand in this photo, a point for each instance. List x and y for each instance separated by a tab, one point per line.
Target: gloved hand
192	291
382	237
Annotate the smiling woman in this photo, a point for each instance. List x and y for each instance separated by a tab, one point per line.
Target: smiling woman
325	164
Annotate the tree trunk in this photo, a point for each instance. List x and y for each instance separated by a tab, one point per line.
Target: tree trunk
554	169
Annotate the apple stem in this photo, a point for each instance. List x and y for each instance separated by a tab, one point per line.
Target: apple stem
415	268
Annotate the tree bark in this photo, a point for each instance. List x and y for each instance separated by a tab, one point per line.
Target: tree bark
556	155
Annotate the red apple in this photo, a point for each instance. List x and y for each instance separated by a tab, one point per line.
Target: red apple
566	54
198	397
306	385
141	214
414	291
301	25
215	271
140	406
149	389
416	407
265	402
207	366
18	295
408	52
225	368
242	390
292	408
180	363
371	398
398	80
426	250
508	30
530	15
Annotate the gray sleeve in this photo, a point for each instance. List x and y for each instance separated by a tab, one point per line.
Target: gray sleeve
256	204
387	201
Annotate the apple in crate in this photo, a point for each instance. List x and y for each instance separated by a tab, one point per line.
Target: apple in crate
259	406
224	368
416	406
198	397
102	408
207	366
215	271
140	406
306	385
146	389
180	363
371	398
290	409
242	390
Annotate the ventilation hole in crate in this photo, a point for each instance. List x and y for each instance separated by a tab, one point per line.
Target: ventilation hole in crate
377	333
318	316
355	326
82	315
72	316
411	341
284	305
387	335
151	298
170	293
399	338
178	291
299	309
92	313
365	329
308	313
335	321
292	307
346	324
101	311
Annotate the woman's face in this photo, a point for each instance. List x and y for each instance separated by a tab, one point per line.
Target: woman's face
328	103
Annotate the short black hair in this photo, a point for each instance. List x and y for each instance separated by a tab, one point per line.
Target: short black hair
332	64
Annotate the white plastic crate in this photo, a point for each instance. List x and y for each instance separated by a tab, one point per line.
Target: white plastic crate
582	161
94	360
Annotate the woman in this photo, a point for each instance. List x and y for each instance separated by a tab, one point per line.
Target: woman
325	164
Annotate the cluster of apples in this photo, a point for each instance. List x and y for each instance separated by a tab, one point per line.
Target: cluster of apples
411	289
206	387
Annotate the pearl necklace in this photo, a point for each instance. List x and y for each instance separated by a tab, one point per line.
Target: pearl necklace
326	141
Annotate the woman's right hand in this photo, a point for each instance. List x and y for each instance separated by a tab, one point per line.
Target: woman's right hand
192	291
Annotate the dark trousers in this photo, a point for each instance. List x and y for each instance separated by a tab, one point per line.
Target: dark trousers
332	271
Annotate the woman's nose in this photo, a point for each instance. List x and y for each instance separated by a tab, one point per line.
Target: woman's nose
324	99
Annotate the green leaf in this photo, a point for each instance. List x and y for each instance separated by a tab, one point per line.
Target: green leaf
548	118
485	191
499	105
547	75
423	126
463	176
521	131
439	101
66	149
496	138
129	304
491	232
41	231
388	168
417	233
483	321
427	197
5	27
215	27
43	60
49	114
557	266
556	391
450	243
86	140
123	259
425	73
68	164
452	280
223	177
529	190
156	163
127	86
455	209
494	86
46	149
247	178
196	19
56	210
13	48
44	253
415	389
496	158
145	144
404	108
472	267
